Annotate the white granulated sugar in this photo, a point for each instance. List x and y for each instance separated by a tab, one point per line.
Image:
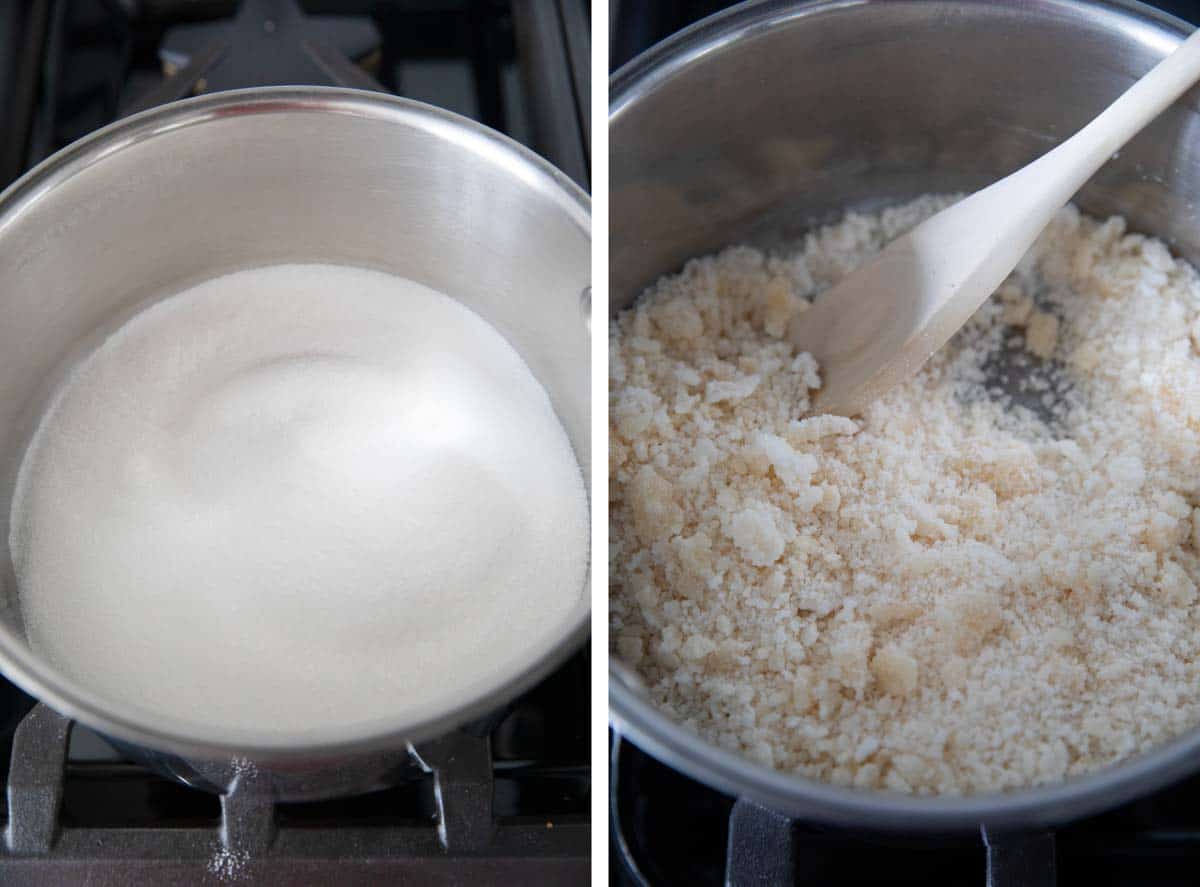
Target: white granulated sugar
296	497
953	593
228	865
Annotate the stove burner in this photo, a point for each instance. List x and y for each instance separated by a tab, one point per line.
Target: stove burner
668	830
483	813
267	43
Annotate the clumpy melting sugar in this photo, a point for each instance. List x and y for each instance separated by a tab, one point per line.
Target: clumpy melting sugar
975	586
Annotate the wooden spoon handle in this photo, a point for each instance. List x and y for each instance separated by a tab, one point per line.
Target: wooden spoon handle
1064	170
878	326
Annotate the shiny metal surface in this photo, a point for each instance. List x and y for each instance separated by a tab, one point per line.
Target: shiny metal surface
753	125
198	188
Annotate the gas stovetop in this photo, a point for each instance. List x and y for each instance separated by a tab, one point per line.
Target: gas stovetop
667	829
67	67
505	804
500	807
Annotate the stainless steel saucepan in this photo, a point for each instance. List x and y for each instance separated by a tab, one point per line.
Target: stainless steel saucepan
198	188
756	124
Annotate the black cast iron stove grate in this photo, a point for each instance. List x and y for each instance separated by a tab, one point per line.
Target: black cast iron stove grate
670	830
504	804
479	816
68	67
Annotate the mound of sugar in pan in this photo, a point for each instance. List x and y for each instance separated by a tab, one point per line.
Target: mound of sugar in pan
986	581
296	497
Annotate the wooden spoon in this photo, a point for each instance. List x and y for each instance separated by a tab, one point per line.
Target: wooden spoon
879	325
